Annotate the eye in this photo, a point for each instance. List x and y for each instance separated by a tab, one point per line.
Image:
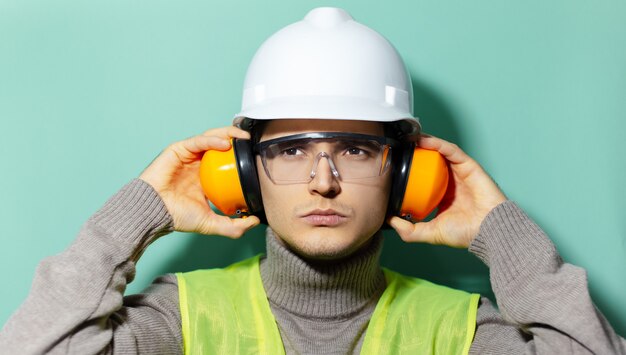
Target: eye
292	151
358	149
355	151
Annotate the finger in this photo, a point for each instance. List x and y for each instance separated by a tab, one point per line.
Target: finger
450	151
412	232
188	150
228	132
200	144
231	227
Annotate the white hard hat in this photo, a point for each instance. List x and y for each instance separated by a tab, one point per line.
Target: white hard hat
328	66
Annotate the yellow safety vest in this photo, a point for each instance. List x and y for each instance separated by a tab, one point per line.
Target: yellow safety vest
226	311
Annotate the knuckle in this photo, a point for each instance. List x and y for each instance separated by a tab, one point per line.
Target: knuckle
175	146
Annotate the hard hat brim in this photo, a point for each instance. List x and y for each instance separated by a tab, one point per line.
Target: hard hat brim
331	108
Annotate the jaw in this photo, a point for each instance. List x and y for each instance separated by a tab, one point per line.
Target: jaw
323	243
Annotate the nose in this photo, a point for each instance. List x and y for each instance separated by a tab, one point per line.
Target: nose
325	178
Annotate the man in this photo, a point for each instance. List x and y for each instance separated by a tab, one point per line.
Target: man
320	289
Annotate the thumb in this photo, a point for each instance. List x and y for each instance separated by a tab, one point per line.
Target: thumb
231	227
420	232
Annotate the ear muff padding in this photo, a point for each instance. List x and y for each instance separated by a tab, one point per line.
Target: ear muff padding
419	183
248	177
229	180
401	162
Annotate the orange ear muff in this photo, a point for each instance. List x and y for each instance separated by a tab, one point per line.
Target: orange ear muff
426	184
220	181
419	181
229	180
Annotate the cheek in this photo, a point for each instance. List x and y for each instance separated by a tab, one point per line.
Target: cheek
371	205
278	200
372	201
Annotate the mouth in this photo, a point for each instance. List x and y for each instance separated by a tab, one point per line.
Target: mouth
324	218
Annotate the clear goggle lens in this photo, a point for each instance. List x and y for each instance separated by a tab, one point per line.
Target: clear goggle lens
295	159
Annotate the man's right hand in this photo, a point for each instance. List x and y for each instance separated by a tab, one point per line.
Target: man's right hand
471	195
174	174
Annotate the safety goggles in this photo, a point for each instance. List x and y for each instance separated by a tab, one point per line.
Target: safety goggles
295	159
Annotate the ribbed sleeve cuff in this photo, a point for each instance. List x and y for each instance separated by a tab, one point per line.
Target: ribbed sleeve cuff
511	244
135	215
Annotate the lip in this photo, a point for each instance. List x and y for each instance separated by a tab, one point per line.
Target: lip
326	218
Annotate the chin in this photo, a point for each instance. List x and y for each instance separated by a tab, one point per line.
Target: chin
323	254
324	244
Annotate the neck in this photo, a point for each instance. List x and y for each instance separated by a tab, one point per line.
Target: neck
321	289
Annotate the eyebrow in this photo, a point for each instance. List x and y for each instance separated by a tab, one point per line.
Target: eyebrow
325	135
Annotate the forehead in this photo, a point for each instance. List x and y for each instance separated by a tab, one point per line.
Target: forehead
281	128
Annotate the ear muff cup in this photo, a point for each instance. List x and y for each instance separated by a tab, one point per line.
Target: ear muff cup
229	180
419	182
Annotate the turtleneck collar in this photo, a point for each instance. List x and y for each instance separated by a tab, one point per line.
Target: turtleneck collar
322	290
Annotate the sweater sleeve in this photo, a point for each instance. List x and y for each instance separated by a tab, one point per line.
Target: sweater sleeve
544	303
76	303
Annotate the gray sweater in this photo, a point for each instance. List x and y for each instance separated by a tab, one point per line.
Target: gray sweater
76	304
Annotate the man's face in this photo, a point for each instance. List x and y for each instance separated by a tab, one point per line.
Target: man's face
325	218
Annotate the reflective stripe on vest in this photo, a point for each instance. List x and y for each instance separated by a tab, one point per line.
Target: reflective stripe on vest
226	311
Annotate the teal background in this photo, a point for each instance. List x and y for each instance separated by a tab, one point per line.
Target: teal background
91	92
